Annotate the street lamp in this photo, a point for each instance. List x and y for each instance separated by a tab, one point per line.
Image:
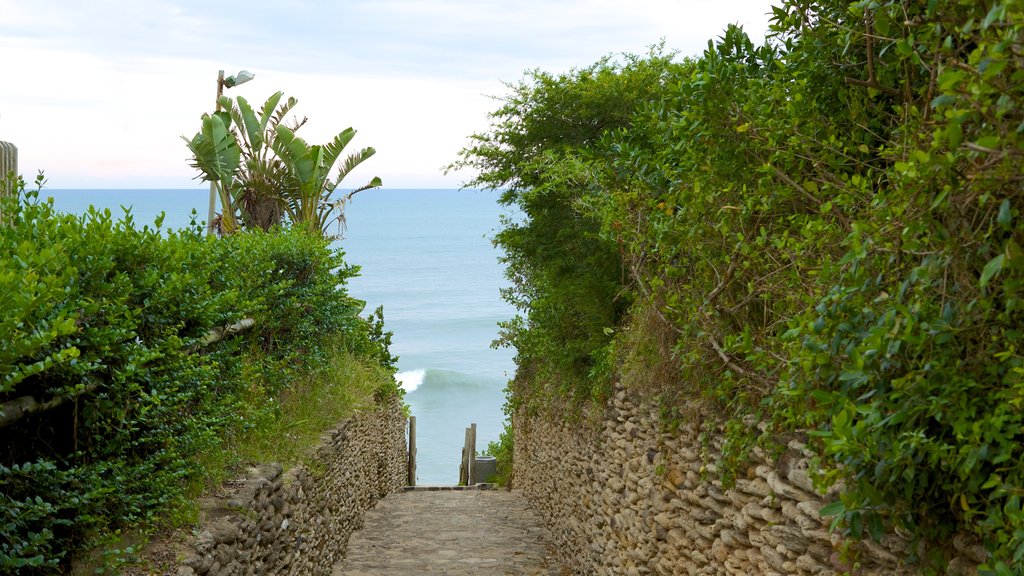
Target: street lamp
242	77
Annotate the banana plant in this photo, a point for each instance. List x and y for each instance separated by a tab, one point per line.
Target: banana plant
263	178
216	154
261	169
309	201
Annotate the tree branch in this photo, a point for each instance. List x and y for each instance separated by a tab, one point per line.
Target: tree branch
732	365
871	82
14	410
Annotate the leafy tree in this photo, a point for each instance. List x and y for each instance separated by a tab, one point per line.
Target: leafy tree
566	278
105	328
822	231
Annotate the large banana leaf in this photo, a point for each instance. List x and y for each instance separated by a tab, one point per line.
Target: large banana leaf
216	154
255	127
325	205
303	162
334	148
295	153
246	118
215	151
352	161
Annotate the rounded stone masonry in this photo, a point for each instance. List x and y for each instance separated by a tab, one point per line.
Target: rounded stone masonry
625	496
276	522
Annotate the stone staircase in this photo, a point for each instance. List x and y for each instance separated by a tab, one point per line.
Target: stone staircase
451	531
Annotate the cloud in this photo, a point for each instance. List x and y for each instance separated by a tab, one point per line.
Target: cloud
99	93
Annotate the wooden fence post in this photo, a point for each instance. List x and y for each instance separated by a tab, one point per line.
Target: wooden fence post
471	466
464	465
466	473
412	450
8	165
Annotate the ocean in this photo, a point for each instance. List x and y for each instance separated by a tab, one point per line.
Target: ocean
426	256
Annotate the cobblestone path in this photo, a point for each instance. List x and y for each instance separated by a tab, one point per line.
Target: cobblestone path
451	533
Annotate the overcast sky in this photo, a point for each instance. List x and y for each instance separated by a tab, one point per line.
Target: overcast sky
97	93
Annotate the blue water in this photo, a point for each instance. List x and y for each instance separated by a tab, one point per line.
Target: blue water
426	256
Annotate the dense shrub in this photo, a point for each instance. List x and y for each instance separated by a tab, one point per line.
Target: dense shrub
106	321
565	276
823	231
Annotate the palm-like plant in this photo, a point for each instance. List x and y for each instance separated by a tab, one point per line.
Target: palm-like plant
264	170
262	177
309	199
215	153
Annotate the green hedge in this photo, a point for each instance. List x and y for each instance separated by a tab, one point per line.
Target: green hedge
823	231
110	318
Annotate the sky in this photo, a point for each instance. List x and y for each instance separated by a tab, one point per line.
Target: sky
97	94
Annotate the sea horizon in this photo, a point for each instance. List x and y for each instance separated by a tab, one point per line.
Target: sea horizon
426	256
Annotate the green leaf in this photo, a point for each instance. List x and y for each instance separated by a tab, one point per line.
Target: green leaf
856	521
882	22
993	481
990	142
353	160
991	269
954	135
253	127
998	12
832	509
1005	217
940	199
337	146
950	79
267	113
875	527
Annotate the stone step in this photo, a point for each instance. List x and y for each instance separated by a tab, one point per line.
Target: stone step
441	488
451	531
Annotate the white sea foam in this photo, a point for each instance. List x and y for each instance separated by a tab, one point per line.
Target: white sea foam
410	379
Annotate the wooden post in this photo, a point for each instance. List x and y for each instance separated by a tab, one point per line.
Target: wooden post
213	185
471	465
464	467
412	450
8	166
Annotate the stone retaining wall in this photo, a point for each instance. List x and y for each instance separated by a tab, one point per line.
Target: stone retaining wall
299	521
625	497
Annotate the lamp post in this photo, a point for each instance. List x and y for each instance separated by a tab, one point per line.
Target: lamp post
242	77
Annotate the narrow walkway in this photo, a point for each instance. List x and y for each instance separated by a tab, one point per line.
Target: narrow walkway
453	533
